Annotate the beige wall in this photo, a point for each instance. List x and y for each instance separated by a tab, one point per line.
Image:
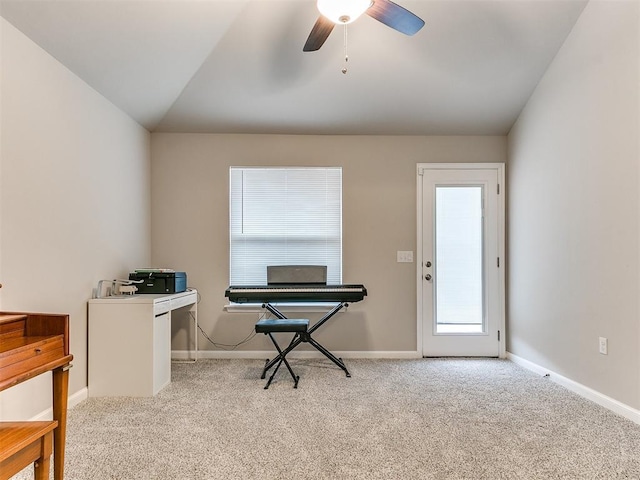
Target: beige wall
190	205
74	200
574	241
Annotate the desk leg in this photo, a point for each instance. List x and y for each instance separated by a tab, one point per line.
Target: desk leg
194	311
60	397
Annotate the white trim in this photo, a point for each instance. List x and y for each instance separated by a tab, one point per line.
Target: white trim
582	390
500	167
78	397
73	400
458	166
259	354
502	254
419	258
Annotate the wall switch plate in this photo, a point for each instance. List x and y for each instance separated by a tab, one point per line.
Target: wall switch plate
404	256
603	346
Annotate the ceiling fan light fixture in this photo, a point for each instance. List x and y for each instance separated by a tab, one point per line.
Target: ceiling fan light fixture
343	11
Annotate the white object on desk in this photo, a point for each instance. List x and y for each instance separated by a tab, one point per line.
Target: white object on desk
130	342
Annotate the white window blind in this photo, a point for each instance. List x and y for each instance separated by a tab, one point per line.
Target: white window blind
284	216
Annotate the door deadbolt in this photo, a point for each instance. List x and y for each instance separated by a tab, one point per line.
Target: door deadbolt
428	264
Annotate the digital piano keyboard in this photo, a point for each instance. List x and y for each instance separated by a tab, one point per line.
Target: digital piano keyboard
296	293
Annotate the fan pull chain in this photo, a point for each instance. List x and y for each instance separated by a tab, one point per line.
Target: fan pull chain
346	56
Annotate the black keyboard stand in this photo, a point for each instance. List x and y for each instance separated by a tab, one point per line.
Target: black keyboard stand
306	338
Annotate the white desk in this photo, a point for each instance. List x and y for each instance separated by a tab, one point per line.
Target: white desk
129	340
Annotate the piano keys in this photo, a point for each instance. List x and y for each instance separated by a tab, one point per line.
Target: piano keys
296	293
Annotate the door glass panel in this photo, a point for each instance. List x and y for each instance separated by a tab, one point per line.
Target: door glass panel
458	264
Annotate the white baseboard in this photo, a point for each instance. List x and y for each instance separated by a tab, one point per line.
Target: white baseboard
257	354
73	400
582	390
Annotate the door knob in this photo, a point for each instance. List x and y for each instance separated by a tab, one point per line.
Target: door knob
427	277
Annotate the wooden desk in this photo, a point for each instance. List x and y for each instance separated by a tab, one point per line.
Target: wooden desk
32	344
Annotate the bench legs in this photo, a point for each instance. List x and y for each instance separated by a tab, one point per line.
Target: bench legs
269	326
41	466
283	358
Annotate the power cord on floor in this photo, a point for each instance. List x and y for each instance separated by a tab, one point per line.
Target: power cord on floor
227	346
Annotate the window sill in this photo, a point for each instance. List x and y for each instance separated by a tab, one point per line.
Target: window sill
283	307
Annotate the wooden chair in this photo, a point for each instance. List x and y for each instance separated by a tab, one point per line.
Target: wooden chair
24	443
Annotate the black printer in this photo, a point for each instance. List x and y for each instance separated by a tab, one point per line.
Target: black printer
159	280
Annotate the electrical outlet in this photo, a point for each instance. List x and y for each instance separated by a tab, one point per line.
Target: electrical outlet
404	257
604	346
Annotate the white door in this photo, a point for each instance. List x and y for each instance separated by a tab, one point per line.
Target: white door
461	281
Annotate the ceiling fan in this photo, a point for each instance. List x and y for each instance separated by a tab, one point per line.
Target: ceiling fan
334	12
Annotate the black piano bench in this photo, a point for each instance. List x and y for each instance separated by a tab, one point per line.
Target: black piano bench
269	326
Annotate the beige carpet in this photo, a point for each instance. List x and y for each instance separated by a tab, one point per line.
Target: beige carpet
394	419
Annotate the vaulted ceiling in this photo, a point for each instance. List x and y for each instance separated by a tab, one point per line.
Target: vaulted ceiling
237	66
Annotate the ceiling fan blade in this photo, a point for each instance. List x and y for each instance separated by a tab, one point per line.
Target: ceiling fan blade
319	33
395	16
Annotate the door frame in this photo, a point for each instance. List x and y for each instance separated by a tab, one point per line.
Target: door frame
500	168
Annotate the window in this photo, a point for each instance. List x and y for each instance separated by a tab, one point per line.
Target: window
284	216
458	255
